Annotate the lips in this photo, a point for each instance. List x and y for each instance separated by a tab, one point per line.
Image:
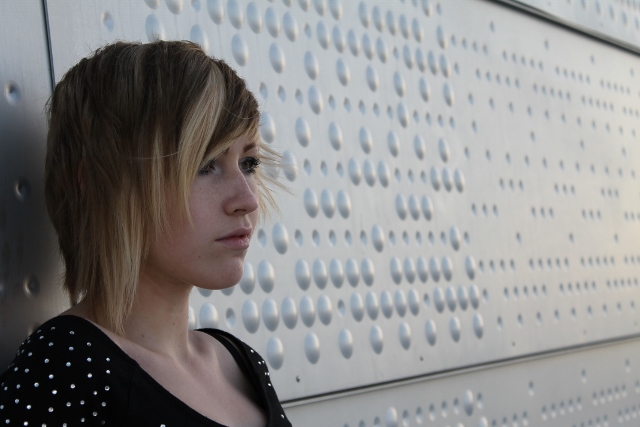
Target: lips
236	239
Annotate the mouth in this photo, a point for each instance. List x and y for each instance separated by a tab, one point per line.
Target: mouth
236	239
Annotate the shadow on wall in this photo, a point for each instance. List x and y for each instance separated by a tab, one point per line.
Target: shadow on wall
29	268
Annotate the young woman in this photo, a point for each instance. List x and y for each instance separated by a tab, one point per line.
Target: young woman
153	187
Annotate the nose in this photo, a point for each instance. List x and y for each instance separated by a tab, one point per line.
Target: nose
242	197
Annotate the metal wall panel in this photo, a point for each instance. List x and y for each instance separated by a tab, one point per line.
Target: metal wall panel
28	263
464	181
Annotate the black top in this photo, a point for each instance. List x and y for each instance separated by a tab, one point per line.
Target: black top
69	373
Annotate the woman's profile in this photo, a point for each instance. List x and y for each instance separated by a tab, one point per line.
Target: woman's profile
153	185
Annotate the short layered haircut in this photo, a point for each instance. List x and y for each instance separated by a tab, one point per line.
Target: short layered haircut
129	128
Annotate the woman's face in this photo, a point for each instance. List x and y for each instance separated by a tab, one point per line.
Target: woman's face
209	253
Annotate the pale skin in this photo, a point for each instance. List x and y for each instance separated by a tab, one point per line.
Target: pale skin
208	253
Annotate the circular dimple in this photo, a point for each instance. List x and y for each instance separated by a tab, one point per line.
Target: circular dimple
423	269
324	37
427	207
199	37
240	50
418	32
153	4
339	40
404	333
463	297
373	307
208	316
447	179
445	66
478	325
352	272
312	347
290	26
248	281
22	189
254	18
266	276
250	316
393	142
345	342
315	99
270	314
366	140
467	402
409	269
276	56
386	304
455	237
377	237
425	89
357	306
447	268
458	179
311	203
354	43
335	136
289	313
307	311
363	14
216	10
272	21
384	174
449	96
451	298
470	267
400	302
368	271
355	172
303	131
311	65
325	309
12	93
336	9
342	69
154	29
403	115
396	270
454	328
328	203
344	204
377	18
236	16
107	21
444	150
434	268
321	6
442	37
275	353
414	207
372	78
320	273
419	146
414	302
336	272
399	84
434	175
433	63
474	296
401	206
430	331
289	165
376	338
382	50
438	299
408	56
369	172
280	237
303	274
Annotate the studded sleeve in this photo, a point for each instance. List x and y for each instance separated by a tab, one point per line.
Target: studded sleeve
61	377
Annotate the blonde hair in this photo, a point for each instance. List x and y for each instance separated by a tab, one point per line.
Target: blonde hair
129	127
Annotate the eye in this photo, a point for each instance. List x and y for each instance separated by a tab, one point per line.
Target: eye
250	164
208	168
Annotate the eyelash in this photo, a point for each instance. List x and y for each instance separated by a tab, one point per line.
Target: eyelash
248	165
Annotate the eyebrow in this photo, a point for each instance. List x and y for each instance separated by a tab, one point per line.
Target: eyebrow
249	147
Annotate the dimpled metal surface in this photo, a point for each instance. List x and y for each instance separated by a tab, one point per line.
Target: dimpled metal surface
465	192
